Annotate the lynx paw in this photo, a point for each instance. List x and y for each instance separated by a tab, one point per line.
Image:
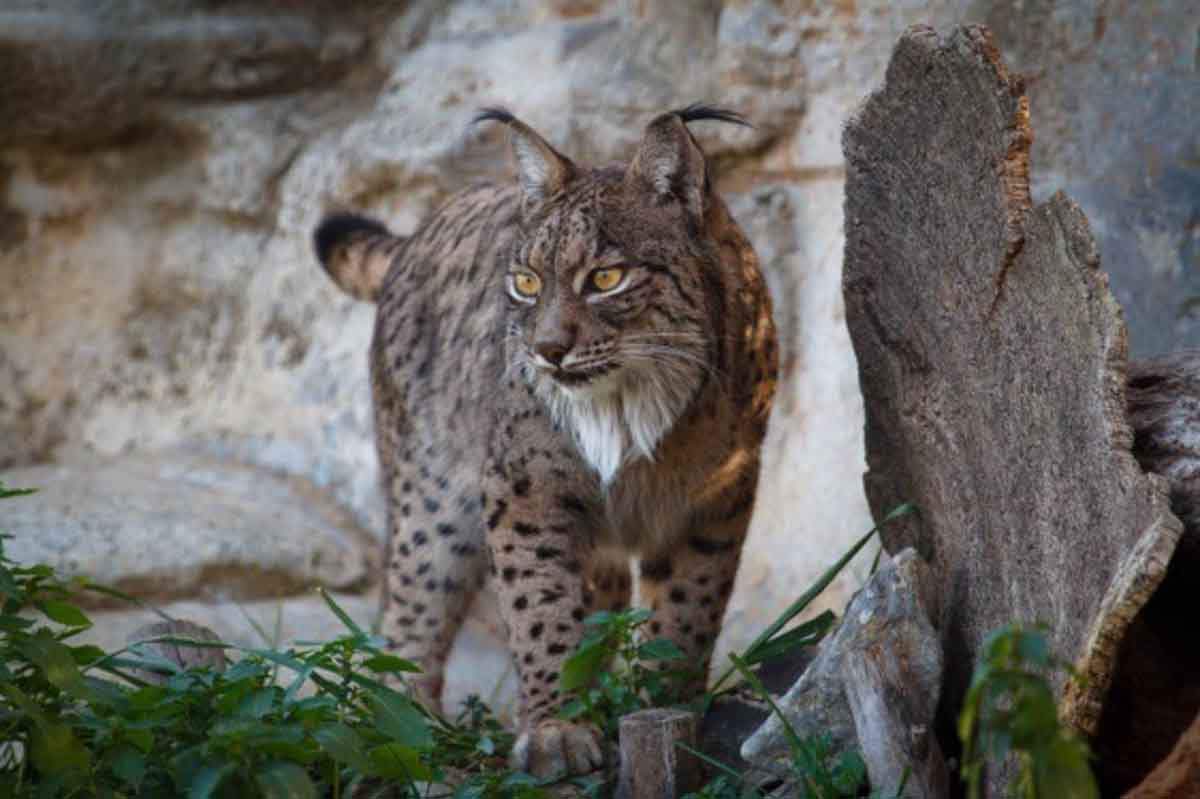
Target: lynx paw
555	748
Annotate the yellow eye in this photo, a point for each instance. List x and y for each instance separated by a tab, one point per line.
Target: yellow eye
607	279
527	284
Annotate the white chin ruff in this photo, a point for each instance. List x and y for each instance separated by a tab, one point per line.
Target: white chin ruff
614	420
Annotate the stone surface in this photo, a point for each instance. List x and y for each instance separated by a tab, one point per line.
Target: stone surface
992	364
887	624
177	525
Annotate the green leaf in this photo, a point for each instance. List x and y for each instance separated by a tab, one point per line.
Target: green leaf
285	781
5	493
398	762
56	663
128	765
344	744
258	703
398	719
807	634
660	649
64	613
342	615
54	749
581	668
390	663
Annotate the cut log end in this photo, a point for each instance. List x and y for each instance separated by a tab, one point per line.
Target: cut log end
653	764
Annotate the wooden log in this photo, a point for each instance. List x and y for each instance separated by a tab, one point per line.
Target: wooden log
894	722
180	654
1155	694
653	765
992	360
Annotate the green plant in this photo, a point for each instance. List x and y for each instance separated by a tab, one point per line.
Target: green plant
1010	709
613	673
331	728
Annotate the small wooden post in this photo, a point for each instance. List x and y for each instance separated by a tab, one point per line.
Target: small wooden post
653	766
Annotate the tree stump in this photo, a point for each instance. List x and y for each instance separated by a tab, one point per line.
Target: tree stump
653	765
992	363
1178	776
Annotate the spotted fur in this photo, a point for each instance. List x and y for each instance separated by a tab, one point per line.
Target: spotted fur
546	438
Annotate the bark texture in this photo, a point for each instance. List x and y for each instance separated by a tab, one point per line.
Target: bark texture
992	361
1155	694
653	764
1178	776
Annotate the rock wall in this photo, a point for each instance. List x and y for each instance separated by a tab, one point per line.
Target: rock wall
163	162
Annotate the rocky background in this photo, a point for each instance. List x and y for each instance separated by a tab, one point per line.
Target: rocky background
189	392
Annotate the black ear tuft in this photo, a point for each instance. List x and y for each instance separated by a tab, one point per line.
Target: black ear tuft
699	111
335	228
493	113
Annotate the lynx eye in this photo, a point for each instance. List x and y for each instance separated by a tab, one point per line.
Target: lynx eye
526	284
606	279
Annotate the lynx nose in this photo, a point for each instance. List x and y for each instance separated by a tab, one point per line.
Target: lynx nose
552	351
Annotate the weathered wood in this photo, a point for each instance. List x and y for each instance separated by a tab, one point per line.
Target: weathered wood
992	364
1155	694
893	717
653	765
873	687
181	654
1178	776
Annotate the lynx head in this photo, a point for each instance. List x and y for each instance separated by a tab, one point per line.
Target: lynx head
611	283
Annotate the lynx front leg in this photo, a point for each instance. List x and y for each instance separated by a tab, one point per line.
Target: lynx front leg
688	587
539	543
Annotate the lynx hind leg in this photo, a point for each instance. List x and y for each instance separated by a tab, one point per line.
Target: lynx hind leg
435	558
687	590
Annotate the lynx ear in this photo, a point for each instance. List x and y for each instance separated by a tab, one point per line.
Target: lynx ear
542	169
669	162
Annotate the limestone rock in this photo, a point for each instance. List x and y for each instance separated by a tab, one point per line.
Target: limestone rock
176	525
887	623
992	364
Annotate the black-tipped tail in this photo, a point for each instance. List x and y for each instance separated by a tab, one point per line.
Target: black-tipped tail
337	228
356	252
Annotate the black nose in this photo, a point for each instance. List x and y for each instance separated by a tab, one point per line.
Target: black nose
552	351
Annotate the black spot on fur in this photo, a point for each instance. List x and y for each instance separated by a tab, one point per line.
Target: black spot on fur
536	630
521	487
547	553
523	529
508	574
431	505
556	649
420	537
678	596
520	603
494	520
446	530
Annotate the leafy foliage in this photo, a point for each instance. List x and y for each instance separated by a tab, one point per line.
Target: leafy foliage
331	728
613	672
1010	710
